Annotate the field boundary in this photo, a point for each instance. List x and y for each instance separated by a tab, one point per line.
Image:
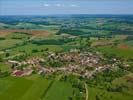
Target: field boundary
45	92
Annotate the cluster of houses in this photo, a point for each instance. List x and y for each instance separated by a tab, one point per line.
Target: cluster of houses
20	73
25	68
82	59
78	63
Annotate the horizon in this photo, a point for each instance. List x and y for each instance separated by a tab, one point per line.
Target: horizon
63	7
59	15
73	15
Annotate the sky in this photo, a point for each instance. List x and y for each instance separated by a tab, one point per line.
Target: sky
47	7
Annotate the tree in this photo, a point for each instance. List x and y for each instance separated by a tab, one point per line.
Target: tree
34	50
7	54
97	98
1	59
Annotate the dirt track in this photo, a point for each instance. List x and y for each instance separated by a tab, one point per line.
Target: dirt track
86	88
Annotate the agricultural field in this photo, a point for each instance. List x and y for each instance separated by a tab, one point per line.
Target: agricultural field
33	89
9	43
63	91
118	51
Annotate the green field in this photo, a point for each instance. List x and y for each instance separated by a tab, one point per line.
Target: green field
36	91
33	88
60	91
16	90
8	43
5	67
29	47
117	51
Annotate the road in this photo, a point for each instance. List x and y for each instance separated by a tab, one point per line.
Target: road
86	88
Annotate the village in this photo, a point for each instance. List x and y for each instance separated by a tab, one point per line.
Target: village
85	64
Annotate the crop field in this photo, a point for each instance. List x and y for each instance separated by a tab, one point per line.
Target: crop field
16	90
37	90
35	33
126	53
9	43
29	47
63	91
34	89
